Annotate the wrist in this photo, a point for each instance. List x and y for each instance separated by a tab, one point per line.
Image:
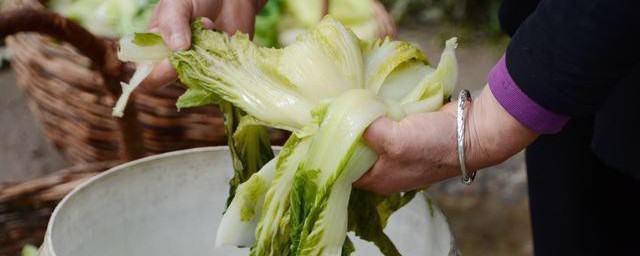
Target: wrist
450	111
492	134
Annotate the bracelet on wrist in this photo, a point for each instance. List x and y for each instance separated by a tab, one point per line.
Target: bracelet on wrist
464	97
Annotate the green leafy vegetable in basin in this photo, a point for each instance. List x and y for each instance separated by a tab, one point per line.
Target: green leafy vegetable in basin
326	88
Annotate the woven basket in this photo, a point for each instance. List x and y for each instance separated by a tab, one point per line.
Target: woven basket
71	79
71	91
25	208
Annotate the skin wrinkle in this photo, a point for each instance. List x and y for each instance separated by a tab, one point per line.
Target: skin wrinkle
449	159
420	149
472	137
493	146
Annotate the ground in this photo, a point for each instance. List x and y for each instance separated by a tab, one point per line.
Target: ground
489	217
24	153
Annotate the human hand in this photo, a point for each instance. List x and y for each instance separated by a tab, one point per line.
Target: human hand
420	150
171	19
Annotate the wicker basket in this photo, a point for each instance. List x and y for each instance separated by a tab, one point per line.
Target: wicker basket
71	91
25	208
71	78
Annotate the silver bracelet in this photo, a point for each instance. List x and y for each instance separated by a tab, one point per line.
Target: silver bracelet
463	97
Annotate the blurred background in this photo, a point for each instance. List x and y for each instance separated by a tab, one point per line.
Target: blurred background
489	217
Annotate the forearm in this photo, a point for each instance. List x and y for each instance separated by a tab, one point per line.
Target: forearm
492	135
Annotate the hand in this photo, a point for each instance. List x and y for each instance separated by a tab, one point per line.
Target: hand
420	150
171	18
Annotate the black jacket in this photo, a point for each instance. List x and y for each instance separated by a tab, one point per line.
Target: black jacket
581	59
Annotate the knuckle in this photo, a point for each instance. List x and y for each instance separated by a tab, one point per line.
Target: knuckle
394	149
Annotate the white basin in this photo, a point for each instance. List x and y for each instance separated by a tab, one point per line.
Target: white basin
170	204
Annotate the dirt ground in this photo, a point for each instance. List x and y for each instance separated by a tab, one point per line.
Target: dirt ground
489	218
24	153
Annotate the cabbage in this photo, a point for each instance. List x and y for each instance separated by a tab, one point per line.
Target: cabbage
110	18
144	49
28	250
267	21
326	88
300	15
278	23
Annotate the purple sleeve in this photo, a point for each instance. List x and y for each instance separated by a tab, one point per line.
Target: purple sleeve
519	105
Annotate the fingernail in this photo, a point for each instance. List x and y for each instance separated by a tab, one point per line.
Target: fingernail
179	42
208	24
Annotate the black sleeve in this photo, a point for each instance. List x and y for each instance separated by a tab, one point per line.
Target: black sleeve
568	55
513	12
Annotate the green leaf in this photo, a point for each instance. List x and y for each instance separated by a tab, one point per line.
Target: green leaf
369	214
334	50
306	13
302	199
344	121
248	143
241	217
195	97
445	76
383	56
145	56
29	250
256	187
146	39
348	248
274	229
351	11
243	74
403	80
252	145
366	221
231	120
326	88
267	21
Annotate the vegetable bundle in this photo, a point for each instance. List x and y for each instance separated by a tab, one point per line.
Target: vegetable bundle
326	88
110	18
278	23
300	15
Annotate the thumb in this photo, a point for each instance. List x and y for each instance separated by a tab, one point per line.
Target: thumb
379	133
173	23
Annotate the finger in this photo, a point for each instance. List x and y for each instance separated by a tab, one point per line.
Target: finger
370	182
378	133
363	181
174	24
162	74
207	23
376	178
237	16
388	177
153	20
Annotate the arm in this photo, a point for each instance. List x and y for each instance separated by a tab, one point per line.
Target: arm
420	150
568	55
513	12
562	62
